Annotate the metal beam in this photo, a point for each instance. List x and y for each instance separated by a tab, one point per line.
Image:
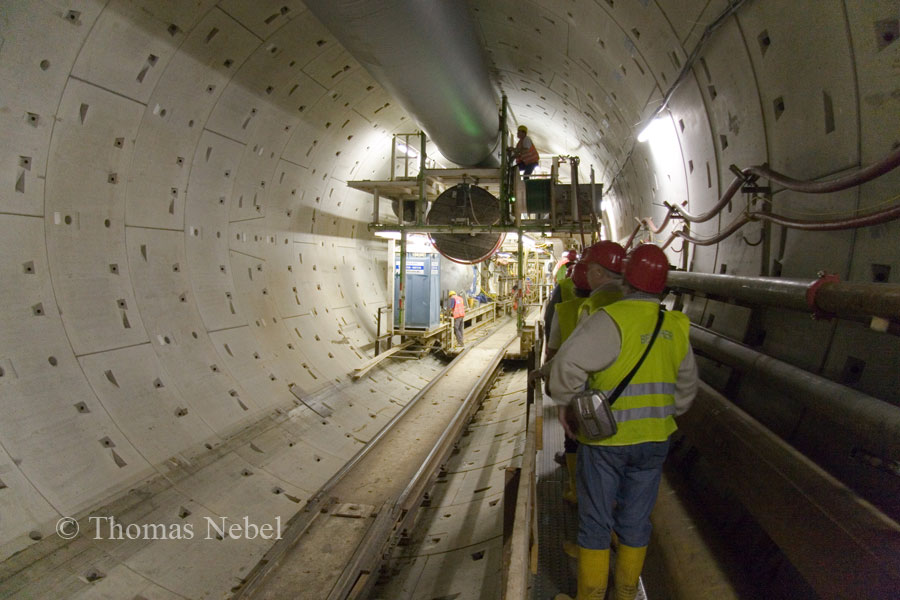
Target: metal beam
535	227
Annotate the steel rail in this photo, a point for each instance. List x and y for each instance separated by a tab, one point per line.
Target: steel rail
352	581
402	511
301	521
517	569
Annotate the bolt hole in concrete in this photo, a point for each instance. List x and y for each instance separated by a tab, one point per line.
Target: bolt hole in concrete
92	576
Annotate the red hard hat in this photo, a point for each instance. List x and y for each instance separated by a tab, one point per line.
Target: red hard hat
646	268
570	255
579	276
608	255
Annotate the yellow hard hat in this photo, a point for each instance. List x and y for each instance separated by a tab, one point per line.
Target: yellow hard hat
523	129
452	293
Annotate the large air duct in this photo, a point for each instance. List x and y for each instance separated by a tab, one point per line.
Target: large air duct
428	56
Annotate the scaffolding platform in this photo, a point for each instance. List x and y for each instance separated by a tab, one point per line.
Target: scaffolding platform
436	181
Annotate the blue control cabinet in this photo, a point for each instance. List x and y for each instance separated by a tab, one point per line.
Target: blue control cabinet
423	290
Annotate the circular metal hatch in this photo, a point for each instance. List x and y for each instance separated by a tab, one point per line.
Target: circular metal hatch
465	204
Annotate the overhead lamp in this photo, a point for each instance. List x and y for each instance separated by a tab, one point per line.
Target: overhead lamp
388	235
649	131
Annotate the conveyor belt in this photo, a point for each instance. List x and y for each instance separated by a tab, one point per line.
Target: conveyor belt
329	549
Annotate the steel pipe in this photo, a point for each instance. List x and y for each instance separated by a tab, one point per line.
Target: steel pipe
428	56
873	420
842	545
825	296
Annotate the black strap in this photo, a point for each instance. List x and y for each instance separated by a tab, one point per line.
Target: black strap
619	388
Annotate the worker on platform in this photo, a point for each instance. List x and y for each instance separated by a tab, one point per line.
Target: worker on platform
618	477
458	314
524	153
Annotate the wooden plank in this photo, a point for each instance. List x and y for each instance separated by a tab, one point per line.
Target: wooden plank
358	372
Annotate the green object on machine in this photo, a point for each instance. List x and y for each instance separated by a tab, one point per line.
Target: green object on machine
537	195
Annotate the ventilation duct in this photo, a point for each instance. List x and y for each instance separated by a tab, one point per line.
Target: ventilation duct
428	56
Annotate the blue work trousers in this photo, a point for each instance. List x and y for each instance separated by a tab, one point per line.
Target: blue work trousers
617	488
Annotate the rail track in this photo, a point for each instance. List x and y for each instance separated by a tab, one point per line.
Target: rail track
334	546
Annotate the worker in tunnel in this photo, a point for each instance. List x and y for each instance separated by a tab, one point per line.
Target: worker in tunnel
458	314
524	153
618	477
599	273
562	291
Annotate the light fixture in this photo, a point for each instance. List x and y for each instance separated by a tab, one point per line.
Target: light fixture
388	235
650	130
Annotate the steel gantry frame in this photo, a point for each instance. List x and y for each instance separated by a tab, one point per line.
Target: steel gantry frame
426	179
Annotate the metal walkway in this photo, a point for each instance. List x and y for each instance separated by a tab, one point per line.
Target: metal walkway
557	519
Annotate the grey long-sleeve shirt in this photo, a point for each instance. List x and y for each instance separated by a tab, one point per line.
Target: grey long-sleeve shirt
594	345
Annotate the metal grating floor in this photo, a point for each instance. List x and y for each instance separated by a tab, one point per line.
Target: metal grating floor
557	519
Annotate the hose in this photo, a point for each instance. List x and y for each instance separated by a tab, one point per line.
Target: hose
885	165
876	218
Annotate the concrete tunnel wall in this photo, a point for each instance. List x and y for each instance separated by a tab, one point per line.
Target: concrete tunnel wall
178	245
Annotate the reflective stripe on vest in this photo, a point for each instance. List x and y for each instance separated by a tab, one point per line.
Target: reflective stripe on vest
567	316
643	389
645	411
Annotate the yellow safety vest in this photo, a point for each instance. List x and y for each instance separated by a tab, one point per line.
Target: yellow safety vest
567	289
599	299
567	316
570	312
645	410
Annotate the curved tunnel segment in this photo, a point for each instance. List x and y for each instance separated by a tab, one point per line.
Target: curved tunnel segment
429	57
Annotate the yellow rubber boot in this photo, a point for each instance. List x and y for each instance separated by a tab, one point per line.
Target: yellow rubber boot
593	575
629	563
570	494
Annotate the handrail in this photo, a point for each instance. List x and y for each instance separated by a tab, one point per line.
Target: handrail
516	575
